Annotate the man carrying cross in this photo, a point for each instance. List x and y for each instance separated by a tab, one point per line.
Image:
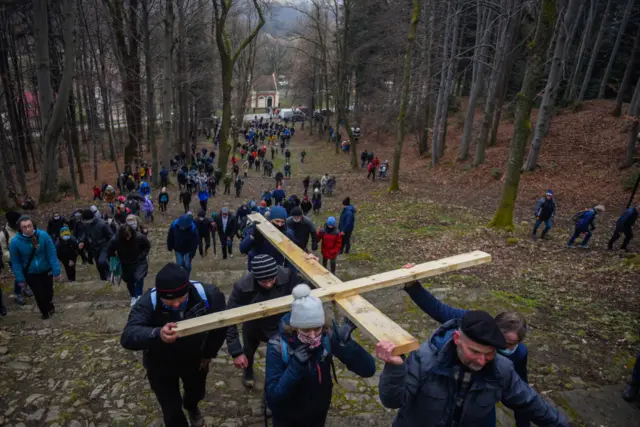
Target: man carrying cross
266	280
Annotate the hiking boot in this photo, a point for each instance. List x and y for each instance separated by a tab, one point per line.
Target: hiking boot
52	309
28	292
570	247
19	300
584	246
247	378
631	392
196	419
534	236
3	310
45	316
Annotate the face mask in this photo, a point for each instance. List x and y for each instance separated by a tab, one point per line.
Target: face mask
28	233
311	342
66	237
133	225
87	221
56	217
296	219
507	352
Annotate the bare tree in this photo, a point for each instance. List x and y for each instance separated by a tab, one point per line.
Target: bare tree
616	47
626	79
503	217
167	87
594	51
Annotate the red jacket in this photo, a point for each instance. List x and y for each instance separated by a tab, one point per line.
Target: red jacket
376	162
234	160
331	242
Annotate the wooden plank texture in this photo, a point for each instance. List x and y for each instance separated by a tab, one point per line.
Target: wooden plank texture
371	320
340	290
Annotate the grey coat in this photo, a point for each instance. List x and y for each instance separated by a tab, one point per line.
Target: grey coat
425	386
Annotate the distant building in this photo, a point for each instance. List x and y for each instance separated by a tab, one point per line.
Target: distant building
264	92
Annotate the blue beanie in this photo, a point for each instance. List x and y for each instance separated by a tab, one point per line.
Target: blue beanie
331	221
549	193
278	212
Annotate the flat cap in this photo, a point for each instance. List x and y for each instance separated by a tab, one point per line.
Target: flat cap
482	328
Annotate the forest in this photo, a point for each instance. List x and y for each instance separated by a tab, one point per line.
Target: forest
86	81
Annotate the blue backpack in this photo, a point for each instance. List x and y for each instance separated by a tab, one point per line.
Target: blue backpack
197	285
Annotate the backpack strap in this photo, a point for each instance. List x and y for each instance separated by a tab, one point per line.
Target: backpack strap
285	350
197	285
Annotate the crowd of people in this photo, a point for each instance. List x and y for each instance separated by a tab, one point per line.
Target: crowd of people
472	362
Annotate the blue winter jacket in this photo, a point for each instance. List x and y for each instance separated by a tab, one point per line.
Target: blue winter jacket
347	219
299	393
44	259
628	218
144	189
278	195
585	220
425	386
259	245
266	196
203	195
442	313
183	241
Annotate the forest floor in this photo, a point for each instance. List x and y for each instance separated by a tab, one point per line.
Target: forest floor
582	305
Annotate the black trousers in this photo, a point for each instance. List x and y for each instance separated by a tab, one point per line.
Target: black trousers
42	287
346	242
628	235
163	207
205	243
252	336
186	207
70	270
311	422
227	189
166	386
332	263
225	247
102	262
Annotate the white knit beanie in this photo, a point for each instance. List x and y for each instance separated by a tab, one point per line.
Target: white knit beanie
306	310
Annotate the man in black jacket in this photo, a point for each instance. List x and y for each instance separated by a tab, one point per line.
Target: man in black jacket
266	281
166	357
95	235
226	226
302	227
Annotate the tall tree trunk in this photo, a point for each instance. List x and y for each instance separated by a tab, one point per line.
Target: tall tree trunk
81	114
570	91
73	130
435	144
634	127
545	111
151	103
503	217
167	86
7	196
616	47
477	87
72	170
628	72
453	65
53	119
594	52
395	173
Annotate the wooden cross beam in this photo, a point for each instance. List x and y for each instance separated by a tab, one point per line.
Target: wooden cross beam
329	288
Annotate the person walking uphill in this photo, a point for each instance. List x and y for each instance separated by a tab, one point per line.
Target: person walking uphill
298	385
585	224
95	235
226	226
34	262
456	378
302	228
183	238
544	213
131	248
624	226
265	281
67	251
347	224
254	243
511	323
168	358
331	239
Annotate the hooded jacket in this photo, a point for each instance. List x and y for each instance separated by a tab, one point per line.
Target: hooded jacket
54	226
331	239
347	219
297	393
302	231
425	386
254	243
44	259
67	250
627	219
247	291
130	252
183	240
142	331
545	209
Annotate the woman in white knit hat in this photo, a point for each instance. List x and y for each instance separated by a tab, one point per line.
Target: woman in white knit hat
298	377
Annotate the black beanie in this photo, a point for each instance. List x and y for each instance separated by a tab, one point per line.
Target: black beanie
87	214
347	201
12	219
296	211
172	281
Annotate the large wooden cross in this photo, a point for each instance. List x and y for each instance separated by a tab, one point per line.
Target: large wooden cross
329	288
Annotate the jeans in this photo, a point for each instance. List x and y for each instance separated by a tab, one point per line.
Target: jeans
184	260
576	233
547	226
166	386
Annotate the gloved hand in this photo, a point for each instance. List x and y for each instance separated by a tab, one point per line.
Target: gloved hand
302	354
343	332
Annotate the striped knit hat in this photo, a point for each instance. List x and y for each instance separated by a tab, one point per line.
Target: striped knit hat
264	267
